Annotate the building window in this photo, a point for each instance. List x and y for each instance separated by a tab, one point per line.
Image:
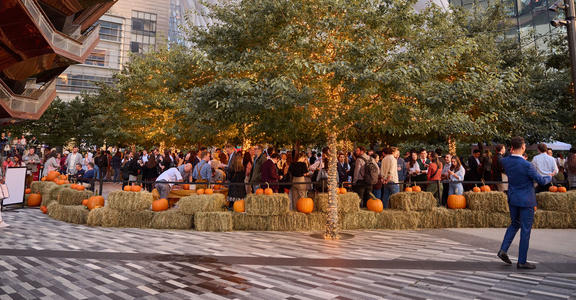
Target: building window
96	58
80	83
110	31
143	37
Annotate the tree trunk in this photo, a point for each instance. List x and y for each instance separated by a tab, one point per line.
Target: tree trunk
332	230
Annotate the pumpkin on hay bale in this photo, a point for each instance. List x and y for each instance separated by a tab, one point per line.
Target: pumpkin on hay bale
202	203
69	196
213	221
171	219
397	219
76	214
107	217
267	205
362	219
132	201
564	202
553	219
347	203
413	201
487	201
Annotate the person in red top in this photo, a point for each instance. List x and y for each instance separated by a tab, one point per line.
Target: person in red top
270	171
435	174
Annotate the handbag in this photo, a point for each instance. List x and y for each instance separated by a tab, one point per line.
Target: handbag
322	173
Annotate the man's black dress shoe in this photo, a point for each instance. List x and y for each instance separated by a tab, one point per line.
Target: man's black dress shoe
527	265
504	257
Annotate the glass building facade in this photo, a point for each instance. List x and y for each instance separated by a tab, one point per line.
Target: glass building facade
529	19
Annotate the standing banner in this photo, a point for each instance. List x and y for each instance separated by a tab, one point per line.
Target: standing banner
16	184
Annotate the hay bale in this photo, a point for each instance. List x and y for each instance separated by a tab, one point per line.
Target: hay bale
41	187
51	193
76	214
202	203
487	201
213	221
243	221
172	219
130	201
292	221
397	219
362	219
410	201
553	219
108	217
267	205
317	221
347	203
565	202
440	217
69	196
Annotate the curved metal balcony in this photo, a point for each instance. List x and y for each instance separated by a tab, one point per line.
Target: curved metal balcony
26	107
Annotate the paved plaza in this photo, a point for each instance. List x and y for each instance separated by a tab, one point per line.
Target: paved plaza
41	258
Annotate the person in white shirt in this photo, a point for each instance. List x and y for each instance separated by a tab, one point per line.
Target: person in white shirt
162	185
72	160
545	165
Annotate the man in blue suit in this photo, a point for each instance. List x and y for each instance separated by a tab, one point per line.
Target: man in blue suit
521	200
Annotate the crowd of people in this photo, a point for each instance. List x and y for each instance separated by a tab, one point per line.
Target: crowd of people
369	173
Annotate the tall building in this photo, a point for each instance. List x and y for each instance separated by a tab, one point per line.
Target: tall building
129	27
529	20
39	39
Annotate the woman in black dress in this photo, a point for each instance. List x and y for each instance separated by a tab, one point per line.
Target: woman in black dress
237	174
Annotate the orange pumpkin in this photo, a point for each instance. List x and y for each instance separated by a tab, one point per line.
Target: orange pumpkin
208	191
562	189
239	206
485	188
80	187
43	209
136	188
186	186
95	201
268	191
160	205
476	189
85	202
34	199
408	189
43	178
63	177
416	188
27	191
52	175
341	190
305	205
375	205
456	201
200	191
259	192
73	186
127	188
553	189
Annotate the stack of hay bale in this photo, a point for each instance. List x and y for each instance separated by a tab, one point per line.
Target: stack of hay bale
270	213
132	209
208	212
555	210
490	209
62	202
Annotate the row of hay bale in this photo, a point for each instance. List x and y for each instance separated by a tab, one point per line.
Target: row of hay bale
132	209
561	202
62	202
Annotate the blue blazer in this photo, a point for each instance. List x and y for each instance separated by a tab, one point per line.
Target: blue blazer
521	177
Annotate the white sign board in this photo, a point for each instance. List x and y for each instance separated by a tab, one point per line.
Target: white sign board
16	183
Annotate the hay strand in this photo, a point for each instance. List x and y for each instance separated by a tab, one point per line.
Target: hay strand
202	203
411	201
171	219
487	201
76	214
267	205
213	221
347	203
129	201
